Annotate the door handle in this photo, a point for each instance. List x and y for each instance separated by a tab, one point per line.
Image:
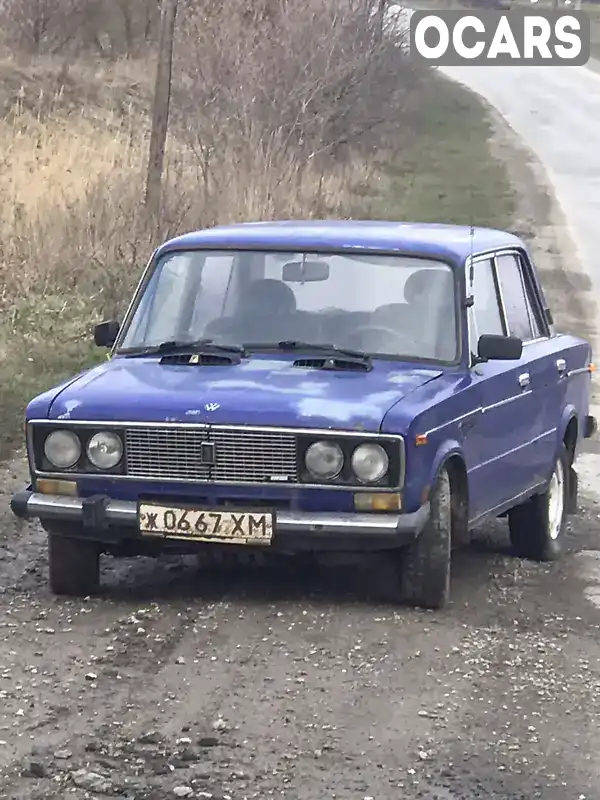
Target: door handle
524	380
561	365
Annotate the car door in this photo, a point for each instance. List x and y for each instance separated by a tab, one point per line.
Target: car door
547	371
494	439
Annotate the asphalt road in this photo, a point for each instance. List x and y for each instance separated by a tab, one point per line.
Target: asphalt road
248	684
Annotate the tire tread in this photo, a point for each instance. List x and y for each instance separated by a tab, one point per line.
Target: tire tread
528	523
426	563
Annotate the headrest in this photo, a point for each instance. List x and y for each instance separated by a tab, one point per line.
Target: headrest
271	295
427	282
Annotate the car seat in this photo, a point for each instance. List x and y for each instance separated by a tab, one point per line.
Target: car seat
429	294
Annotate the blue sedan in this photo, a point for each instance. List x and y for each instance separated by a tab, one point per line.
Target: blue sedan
317	386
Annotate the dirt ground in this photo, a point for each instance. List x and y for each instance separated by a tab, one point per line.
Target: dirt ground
252	684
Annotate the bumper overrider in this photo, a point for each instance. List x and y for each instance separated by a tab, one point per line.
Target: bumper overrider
103	519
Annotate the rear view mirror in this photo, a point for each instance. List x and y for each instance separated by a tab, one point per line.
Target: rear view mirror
494	347
305	271
105	334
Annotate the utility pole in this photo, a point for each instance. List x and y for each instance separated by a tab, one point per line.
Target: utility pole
160	111
381	7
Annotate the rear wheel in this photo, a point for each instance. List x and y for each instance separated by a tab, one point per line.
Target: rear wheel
425	565
537	527
74	566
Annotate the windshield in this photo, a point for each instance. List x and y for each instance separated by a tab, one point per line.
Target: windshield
396	306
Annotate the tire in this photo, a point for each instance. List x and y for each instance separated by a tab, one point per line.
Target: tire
537	527
74	566
425	566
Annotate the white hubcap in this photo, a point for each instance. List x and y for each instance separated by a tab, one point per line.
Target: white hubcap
556	500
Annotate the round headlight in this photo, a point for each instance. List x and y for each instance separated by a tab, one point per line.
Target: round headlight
324	460
370	463
62	449
105	450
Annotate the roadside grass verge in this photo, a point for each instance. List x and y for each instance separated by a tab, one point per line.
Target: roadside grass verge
446	172
74	240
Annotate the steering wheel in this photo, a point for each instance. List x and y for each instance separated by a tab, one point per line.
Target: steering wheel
403	340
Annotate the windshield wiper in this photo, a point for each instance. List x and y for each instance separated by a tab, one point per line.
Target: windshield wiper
207	346
325	348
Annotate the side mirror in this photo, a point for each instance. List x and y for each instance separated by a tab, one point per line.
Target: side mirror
494	347
105	334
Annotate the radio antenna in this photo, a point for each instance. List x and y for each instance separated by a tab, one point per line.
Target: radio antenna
472	249
471	243
469	298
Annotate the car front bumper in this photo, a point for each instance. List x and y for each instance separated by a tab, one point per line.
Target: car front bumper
102	519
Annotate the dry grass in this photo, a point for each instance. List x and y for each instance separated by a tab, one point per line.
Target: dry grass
73	232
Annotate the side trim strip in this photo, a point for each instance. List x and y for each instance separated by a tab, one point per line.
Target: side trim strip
578	371
454	421
549	432
506	401
478	410
507	503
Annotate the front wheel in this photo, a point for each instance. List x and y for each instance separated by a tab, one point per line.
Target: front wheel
74	566
537	527
425	570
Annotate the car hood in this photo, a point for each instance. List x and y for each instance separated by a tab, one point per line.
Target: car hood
263	390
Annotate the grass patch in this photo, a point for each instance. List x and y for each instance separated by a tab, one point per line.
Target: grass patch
69	185
447	173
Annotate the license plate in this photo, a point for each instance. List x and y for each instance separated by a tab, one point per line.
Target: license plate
205	524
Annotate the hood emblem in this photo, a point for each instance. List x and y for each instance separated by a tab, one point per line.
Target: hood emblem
212	406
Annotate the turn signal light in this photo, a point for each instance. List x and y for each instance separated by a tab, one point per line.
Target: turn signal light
52	486
377	502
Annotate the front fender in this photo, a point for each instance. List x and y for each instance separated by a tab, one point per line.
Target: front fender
424	464
447	449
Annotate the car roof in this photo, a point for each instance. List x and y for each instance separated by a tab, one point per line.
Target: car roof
446	242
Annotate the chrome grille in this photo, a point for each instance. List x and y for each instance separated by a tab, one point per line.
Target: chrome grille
165	453
245	456
254	456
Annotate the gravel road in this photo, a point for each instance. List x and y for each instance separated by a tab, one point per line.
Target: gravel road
255	684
